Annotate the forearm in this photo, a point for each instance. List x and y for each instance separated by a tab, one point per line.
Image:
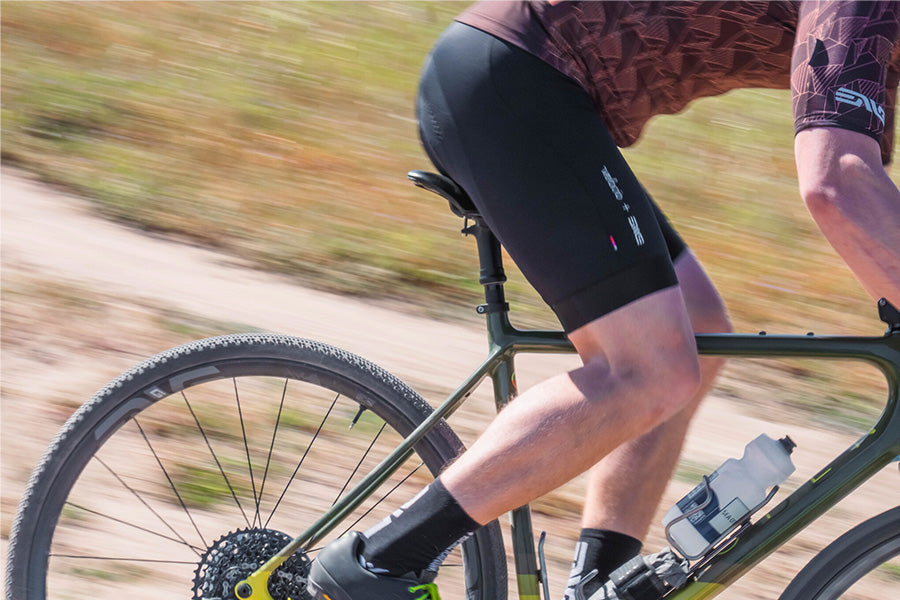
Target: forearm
855	204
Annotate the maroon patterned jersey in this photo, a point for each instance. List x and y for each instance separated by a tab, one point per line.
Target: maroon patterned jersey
640	59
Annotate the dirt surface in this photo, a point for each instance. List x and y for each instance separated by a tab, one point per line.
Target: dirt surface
84	299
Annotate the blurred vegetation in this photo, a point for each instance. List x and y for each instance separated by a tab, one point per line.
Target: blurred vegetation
282	132
202	486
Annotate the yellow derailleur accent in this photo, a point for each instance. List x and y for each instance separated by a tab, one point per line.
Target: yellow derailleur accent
255	587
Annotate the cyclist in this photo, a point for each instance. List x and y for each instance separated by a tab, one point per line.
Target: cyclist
525	105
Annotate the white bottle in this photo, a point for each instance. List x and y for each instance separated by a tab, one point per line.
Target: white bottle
737	487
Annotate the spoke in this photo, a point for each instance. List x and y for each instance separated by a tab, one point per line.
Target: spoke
269	457
237	398
302	458
144	502
382	499
359	464
132	525
171	483
146	560
216	458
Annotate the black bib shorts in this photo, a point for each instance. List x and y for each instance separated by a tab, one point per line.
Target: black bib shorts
528	145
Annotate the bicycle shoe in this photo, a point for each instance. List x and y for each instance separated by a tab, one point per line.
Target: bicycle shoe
337	574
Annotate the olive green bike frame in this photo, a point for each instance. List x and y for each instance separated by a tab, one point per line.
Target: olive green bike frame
833	482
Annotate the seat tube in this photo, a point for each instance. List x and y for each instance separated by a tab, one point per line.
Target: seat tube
522	533
496	311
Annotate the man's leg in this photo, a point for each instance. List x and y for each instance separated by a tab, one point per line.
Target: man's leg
640	369
645	465
624	489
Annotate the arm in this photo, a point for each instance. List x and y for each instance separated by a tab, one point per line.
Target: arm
854	202
843	82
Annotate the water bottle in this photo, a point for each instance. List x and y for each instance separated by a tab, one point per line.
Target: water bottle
737	487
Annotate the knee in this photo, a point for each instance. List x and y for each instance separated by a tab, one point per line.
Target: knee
666	381
676	379
645	353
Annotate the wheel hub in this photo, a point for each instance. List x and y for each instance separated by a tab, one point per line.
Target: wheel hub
234	556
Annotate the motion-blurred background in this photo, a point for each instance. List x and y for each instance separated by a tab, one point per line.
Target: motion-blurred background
280	133
283	131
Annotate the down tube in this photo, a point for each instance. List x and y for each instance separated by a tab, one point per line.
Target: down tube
859	462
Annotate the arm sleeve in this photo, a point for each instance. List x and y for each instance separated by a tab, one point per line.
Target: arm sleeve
844	69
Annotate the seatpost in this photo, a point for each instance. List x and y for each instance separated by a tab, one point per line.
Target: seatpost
492	276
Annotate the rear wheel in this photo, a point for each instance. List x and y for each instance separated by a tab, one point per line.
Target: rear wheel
862	564
185	473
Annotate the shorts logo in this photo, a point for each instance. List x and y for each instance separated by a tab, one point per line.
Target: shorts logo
613	183
638	236
857	99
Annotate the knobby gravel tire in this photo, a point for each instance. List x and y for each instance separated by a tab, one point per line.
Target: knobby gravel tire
229	433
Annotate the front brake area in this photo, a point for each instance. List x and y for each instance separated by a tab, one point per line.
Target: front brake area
236	555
